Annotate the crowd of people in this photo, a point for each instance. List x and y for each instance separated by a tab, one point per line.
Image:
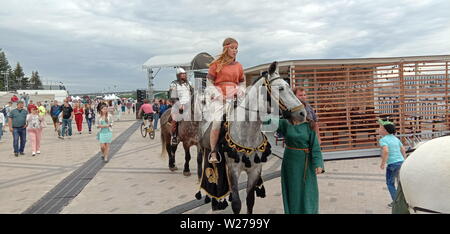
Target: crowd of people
27	119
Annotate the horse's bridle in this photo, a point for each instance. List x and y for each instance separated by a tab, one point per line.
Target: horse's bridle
267	83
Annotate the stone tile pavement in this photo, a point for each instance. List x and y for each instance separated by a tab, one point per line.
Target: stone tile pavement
25	179
137	179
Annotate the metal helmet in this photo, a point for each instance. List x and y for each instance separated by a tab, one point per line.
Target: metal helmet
180	70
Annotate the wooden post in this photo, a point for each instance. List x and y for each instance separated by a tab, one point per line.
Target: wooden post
402	98
347	106
292	75
447	101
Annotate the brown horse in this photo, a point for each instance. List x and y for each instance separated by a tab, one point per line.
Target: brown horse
188	133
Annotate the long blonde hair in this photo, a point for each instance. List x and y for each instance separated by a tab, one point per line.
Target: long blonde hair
224	58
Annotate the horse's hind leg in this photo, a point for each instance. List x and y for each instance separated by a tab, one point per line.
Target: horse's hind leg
171	152
187	158
199	163
253	176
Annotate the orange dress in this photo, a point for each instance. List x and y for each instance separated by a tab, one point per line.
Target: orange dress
228	79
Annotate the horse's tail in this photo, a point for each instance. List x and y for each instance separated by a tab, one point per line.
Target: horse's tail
164	129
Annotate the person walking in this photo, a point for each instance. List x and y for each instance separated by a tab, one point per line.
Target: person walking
104	135
14	99
35	124
156	114
30	106
2	122
302	162
55	110
67	116
129	106
123	106
393	154
78	112
7	109
89	114
162	107
17	121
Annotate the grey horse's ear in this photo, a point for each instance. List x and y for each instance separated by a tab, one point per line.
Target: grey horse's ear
273	68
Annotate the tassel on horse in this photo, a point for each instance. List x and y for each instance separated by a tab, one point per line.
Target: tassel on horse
247	162
257	160
198	195
260	192
266	153
214	204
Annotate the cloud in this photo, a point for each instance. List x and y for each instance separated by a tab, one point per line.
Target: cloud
91	44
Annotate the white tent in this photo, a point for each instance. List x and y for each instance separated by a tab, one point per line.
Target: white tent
111	97
194	61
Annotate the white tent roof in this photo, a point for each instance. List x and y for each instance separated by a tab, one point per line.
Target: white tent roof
187	61
111	97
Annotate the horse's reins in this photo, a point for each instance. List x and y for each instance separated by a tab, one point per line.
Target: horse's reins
267	83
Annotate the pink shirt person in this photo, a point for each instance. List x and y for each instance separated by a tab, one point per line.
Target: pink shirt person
146	108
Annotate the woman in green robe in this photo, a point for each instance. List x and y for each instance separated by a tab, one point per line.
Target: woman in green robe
302	161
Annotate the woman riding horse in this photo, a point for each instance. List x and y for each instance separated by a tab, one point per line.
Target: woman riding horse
227	75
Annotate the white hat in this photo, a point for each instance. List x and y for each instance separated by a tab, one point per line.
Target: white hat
180	70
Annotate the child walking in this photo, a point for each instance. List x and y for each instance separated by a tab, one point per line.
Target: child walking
393	153
104	135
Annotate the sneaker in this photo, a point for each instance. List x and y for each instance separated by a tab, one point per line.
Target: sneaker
16	154
390	205
22	153
38	152
60	137
33	154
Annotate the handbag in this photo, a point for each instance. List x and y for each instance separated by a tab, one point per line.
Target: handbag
43	123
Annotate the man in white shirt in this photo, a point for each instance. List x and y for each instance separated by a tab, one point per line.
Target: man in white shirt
180	94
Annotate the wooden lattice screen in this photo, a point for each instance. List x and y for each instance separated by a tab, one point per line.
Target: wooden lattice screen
349	98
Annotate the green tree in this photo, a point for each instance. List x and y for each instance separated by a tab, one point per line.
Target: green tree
25	83
17	77
35	81
4	68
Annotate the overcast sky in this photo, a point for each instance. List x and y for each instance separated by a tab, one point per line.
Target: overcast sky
90	45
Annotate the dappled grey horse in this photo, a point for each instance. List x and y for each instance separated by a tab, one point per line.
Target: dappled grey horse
245	140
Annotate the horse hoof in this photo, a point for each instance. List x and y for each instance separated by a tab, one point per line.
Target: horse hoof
186	173
173	168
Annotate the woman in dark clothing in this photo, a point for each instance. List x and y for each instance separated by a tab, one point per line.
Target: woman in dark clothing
89	115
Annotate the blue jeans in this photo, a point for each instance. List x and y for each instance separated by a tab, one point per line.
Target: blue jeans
1	131
19	133
155	121
66	123
89	123
392	171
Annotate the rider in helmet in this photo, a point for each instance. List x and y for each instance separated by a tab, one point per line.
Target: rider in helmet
180	94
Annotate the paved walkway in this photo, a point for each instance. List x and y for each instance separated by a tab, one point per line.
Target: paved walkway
137	179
